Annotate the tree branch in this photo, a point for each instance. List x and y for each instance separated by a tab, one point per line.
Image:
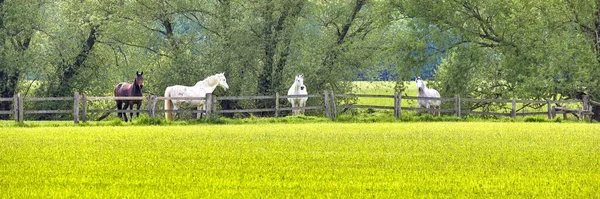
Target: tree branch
137	46
144	25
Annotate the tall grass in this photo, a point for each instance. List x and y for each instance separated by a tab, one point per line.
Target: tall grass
313	160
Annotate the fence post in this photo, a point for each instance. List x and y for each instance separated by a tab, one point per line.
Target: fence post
399	104
396	105
16	107
208	104
76	108
457	106
214	106
84	106
549	108
21	109
553	112
149	105
153	106
333	108
586	105
397	109
326	102
276	104
586	102
513	112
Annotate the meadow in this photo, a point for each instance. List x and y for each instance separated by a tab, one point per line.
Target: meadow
380	88
387	88
390	160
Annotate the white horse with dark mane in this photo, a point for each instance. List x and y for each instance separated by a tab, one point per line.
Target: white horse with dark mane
428	92
298	88
201	88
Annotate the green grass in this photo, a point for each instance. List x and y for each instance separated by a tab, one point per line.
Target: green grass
388	160
387	88
380	88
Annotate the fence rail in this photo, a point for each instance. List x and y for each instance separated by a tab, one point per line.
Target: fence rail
329	105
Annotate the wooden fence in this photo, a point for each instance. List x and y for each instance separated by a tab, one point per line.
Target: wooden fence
330	105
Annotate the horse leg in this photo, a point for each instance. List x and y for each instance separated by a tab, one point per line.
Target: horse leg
197	115
175	108
293	106
203	107
131	109
137	114
125	108
302	104
119	107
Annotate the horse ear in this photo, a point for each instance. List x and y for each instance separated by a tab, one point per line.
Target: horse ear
137	73
142	73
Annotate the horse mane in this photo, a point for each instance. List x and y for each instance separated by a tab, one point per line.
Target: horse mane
213	80
210	81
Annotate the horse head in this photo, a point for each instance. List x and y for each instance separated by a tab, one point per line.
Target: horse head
420	85
222	81
139	79
299	80
218	80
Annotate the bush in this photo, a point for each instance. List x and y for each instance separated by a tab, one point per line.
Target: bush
115	122
535	119
147	120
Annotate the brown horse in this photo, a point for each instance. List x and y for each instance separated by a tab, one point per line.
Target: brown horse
125	89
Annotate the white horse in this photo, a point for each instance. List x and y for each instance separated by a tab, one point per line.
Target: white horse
201	88
298	88
428	92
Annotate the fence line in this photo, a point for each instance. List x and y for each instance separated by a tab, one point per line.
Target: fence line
329	106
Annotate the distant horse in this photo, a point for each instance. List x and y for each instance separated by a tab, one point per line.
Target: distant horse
428	92
201	88
125	89
298	88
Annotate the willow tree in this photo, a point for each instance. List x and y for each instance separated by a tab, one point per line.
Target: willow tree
499	49
20	22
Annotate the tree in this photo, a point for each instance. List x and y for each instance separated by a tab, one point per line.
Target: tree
524	49
19	22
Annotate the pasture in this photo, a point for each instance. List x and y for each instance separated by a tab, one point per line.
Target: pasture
390	160
387	88
380	88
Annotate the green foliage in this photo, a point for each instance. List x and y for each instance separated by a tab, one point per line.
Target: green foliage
115	122
147	120
524	49
535	119
484	49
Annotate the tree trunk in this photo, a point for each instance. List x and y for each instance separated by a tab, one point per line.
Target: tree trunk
9	82
70	70
9	79
286	42
331	56
270	80
225	20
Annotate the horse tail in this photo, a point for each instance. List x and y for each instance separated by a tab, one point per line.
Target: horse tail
168	104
